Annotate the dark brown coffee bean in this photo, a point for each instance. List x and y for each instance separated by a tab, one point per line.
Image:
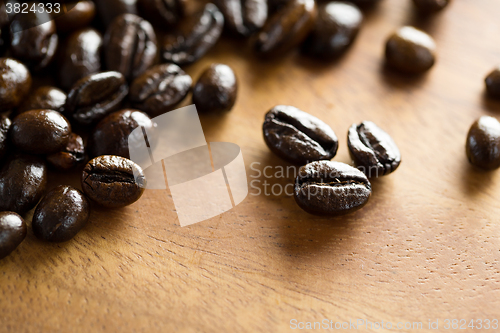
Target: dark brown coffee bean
23	180
163	12
15	83
81	56
483	143
5	124
428	6
297	136
113	181
336	27
95	96
72	155
12	232
61	214
45	97
331	188
40	132
108	10
243	17
286	28
216	89
410	50
130	45
111	135
78	17
196	35
493	83
159	89
374	151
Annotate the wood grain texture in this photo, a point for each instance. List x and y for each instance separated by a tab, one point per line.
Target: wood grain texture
426	246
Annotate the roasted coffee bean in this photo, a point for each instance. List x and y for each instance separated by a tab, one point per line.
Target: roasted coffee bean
493	83
40	132
159	89
331	188
5	124
12	232
286	28
45	97
243	17
374	151
163	12
95	96
196	35
111	135
130	45
113	181
61	214
72	155
22	183
410	50
80	57
33	44
336	27
216	89
108	10
483	143
78	17
429	6
297	136
15	83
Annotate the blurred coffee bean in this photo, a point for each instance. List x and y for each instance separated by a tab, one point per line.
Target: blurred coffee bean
12	232
5	124
130	45
483	143
429	6
159	89
81	56
243	17
216	89
492	82
286	28
78	17
15	83
195	36
23	180
336	27
163	12
108	10
72	155
95	96
45	97
410	50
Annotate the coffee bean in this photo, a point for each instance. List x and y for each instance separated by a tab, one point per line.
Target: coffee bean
163	12
110	181
22	183
45	97
428	6
111	135
12	232
79	16
336	27
243	17
297	136
40	131
72	155
493	83
483	143
159	89
216	89
15	83
81	56
5	124
95	96
286	28
374	152
130	45
365	3
195	36
61	214
410	50
108	10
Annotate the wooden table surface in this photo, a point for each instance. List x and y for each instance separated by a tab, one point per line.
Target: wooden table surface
425	247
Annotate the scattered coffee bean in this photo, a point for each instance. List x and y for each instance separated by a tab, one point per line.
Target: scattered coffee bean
72	155
216	89
159	89
297	136
113	181
331	188
5	124
483	143
12	232
61	214
493	83
95	96
45	97
243	17
374	152
15	83
22	183
336	27
108	10
79	16
428	6
196	35
286	28
410	50
163	12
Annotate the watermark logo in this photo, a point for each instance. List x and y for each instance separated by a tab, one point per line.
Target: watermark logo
25	15
205	180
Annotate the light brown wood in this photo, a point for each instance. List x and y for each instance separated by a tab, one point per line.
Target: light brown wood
426	246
